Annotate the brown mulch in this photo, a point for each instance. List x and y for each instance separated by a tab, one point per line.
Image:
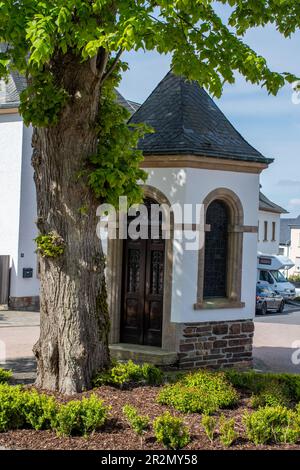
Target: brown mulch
117	435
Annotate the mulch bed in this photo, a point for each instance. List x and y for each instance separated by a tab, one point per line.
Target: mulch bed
117	435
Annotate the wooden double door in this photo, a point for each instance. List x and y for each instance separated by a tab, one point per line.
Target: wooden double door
143	291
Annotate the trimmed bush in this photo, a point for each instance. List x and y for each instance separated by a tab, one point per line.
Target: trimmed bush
39	410
294	278
209	424
5	376
227	432
274	394
257	382
138	423
11	406
171	431
80	418
129	373
199	392
25	409
272	425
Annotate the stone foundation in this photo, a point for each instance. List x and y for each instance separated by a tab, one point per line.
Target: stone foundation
31	304
216	344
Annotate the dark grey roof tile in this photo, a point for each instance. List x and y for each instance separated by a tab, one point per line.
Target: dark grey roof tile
187	121
131	106
266	205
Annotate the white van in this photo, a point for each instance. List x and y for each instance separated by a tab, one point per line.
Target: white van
269	269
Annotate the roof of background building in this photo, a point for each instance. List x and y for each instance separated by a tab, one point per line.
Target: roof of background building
185	118
10	91
285	229
187	121
131	106
266	205
10	94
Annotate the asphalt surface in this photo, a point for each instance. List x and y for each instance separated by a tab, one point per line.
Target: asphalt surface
276	342
19	331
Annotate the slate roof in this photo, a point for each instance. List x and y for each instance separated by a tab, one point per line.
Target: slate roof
10	91
285	229
266	205
10	94
131	106
187	121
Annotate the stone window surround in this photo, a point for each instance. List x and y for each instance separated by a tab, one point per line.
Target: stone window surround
236	230
114	281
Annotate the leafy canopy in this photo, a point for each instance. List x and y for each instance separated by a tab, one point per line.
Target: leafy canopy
203	47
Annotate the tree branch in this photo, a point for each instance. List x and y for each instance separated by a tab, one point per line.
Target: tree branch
112	67
101	61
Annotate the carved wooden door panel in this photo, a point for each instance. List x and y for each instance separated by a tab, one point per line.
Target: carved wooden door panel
142	291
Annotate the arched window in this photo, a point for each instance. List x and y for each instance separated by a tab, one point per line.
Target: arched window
216	251
221	257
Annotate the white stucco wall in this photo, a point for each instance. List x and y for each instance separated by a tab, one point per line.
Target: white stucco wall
17	203
11	137
192	186
294	251
269	247
28	230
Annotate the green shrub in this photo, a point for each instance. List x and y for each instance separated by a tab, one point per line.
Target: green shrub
81	417
130	373
274	394
11	405
5	375
227	432
137	422
209	424
171	431
294	278
152	375
39	410
22	409
199	392
272	425
257	382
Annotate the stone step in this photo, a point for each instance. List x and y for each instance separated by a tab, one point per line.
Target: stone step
139	353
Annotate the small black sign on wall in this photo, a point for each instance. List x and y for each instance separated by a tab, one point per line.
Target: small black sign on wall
27	273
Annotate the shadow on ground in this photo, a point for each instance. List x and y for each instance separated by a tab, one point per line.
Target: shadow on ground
277	359
23	368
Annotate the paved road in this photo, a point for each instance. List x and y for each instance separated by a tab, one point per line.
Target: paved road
277	341
19	331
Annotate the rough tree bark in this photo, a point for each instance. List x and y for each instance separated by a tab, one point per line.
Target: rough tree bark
73	342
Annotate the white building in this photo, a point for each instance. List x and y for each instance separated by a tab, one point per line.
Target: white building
290	242
269	225
167	303
17	198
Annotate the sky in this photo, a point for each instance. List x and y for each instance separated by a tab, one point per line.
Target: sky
271	124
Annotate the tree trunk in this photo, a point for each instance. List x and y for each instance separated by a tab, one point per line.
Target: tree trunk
73	342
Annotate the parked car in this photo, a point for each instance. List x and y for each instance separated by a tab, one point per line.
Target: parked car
269	271
267	299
